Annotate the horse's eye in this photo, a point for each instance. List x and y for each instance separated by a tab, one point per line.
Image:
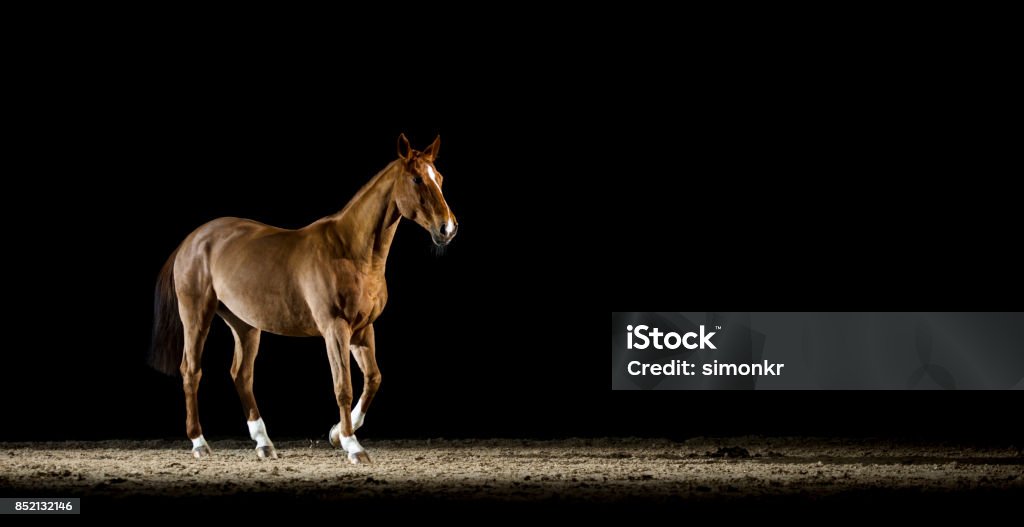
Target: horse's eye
417	180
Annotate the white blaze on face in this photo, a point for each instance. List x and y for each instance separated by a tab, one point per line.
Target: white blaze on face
433	177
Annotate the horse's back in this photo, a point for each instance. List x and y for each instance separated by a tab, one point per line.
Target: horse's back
208	243
221	231
249	267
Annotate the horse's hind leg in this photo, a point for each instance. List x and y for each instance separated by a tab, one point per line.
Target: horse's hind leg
247	344
196	307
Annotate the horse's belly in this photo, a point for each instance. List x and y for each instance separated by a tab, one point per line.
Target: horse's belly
275	309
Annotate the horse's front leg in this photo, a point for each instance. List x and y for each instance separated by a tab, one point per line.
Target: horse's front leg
337	335
364	349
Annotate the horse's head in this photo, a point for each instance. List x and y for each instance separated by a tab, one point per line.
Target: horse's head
418	191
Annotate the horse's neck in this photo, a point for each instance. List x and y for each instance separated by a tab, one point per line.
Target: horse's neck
366	226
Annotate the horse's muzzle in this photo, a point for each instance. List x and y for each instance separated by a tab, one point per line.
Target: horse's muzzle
444	233
440	240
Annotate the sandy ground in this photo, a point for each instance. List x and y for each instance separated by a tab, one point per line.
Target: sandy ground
604	472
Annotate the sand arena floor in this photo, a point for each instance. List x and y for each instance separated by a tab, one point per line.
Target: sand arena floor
577	472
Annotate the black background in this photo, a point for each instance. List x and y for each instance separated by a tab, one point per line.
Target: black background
748	185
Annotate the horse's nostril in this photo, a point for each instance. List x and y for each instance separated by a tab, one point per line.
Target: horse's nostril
444	229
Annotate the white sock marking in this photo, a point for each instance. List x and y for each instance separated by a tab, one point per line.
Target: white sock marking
199	442
258	432
351	445
357	416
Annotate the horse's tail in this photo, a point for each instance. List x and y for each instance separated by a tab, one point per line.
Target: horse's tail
168	333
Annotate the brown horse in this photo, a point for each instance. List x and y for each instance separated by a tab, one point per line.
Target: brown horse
325	279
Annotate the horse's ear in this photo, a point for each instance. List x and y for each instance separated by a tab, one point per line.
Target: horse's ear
404	149
434	149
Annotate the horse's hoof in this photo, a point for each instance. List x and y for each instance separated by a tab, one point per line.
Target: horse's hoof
335	436
266	452
201	451
359	458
